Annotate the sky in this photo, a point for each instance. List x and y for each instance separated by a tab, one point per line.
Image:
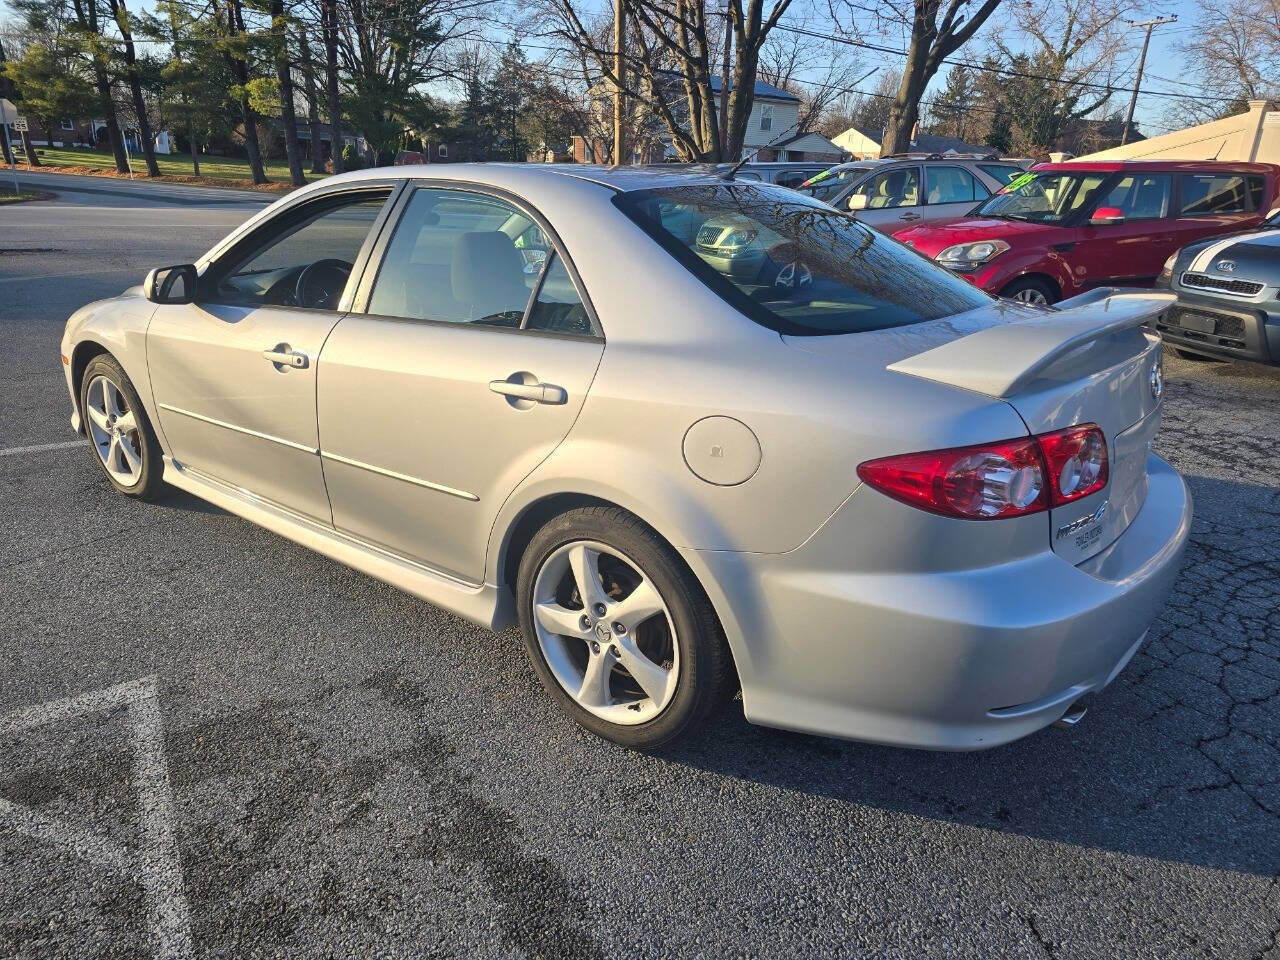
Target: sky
1165	67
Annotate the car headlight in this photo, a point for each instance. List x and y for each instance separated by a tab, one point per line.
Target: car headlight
725	243
1165	279
966	256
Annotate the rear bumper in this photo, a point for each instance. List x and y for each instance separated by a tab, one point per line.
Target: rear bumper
955	660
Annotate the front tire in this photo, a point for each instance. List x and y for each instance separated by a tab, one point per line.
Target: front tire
1030	290
123	441
619	631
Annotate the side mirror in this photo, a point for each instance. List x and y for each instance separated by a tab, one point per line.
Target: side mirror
176	284
1107	217
857	201
1274	211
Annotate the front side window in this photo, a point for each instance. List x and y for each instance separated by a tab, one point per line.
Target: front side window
459	257
1209	194
954	185
304	257
1043	197
1140	196
893	188
794	264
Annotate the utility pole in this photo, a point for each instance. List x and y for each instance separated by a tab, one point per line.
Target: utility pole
724	89
1142	62
619	103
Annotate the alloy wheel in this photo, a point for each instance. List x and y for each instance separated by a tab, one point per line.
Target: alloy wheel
113	428
1033	296
605	632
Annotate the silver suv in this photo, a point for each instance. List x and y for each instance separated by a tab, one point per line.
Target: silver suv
898	192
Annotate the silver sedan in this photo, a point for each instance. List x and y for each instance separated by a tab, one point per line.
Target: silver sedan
692	435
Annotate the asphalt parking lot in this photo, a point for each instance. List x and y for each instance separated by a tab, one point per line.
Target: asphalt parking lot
216	743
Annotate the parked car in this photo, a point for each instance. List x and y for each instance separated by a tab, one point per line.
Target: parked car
1064	228
890	194
1228	297
785	173
715	435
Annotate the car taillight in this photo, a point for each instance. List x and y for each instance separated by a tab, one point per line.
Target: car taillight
1011	478
1077	462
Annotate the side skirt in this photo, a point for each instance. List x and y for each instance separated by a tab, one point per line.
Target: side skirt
482	604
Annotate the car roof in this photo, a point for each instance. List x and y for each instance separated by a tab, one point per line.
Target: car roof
1156	166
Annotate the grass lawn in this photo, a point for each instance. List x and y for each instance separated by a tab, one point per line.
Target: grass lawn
173	165
8	196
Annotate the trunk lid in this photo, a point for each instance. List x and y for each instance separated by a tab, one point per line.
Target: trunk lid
1089	361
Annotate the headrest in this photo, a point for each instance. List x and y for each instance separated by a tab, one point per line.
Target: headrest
484	262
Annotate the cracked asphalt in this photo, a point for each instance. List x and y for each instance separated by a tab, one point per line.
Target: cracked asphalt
354	773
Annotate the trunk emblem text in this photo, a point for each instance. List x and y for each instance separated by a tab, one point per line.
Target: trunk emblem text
1088	520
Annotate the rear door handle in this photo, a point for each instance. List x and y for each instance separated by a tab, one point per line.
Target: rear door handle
537	392
910	216
282	356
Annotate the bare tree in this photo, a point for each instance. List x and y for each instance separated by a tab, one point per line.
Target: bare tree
329	29
312	98
669	62
1233	55
121	16
821	73
937	29
284	79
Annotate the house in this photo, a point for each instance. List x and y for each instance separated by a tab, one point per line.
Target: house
812	147
772	124
1252	136
308	141
865	144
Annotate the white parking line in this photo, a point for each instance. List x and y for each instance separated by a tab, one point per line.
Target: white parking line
41	448
156	865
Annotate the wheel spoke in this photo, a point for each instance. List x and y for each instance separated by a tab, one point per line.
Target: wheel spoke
585	564
652	678
638	606
558	620
109	401
126	422
594	691
98	417
113	454
132	461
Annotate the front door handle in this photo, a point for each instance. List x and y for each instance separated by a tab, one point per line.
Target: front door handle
283	356
910	216
535	391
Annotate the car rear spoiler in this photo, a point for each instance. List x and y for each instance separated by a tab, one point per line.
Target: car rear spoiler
1001	360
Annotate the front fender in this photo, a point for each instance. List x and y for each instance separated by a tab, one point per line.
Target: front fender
117	326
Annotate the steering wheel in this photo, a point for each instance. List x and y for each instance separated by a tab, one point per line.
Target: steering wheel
320	284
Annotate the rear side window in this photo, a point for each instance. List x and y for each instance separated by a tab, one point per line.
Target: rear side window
954	185
461	258
1209	194
1005	173
793	264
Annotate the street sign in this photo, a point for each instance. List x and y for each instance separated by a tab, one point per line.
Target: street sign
20	124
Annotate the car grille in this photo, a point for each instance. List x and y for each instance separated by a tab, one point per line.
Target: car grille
1244	288
1220	329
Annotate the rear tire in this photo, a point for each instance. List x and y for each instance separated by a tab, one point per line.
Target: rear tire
643	661
119	432
1030	290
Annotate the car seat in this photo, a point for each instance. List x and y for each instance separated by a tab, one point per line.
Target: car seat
487	275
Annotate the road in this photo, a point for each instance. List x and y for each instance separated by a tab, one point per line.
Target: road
306	762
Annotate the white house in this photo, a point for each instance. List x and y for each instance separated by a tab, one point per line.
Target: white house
1252	136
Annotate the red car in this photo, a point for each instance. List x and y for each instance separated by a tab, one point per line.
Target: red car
1063	228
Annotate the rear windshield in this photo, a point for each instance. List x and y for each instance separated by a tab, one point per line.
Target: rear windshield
794	264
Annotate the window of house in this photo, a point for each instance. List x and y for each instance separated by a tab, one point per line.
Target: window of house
444	151
766	118
68	125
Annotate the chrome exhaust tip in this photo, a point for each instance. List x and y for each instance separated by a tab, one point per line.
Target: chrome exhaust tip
1075	713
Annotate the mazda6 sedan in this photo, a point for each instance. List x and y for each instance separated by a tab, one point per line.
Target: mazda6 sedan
692	435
